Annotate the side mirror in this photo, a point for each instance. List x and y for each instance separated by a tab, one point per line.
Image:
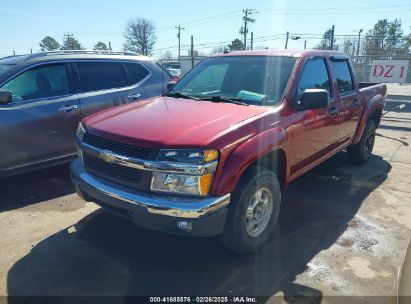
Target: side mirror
5	96
313	99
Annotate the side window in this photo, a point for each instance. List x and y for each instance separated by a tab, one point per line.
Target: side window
314	76
39	82
343	76
136	72
95	76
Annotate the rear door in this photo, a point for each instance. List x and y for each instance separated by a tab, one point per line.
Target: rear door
104	84
40	123
349	110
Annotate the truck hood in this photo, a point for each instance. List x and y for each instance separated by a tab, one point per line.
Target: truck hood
167	121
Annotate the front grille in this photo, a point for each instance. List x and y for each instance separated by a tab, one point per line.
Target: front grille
129	177
116	147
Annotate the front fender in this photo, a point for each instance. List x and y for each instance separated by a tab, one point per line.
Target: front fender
245	154
374	104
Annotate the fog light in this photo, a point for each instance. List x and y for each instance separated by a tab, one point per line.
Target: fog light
185	226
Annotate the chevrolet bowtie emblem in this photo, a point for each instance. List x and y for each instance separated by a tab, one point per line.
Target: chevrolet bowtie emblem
107	156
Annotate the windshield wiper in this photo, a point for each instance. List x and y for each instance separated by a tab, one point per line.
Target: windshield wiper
181	95
229	100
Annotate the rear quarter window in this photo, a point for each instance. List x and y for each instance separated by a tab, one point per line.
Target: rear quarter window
135	72
95	76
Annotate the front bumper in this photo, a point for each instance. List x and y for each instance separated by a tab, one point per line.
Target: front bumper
206	216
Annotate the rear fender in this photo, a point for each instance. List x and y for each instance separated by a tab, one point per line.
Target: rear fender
247	153
374	105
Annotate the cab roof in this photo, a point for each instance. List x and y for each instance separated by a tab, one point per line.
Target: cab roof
287	53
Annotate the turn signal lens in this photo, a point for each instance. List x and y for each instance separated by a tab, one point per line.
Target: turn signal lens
205	183
210	155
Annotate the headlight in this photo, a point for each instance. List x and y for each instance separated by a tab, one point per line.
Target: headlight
191	156
80	131
182	184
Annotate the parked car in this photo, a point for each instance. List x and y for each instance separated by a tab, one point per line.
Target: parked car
44	96
173	67
215	154
174	72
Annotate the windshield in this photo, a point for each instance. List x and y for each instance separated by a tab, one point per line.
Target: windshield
255	80
4	67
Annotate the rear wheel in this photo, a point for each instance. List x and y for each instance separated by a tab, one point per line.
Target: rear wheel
253	211
360	153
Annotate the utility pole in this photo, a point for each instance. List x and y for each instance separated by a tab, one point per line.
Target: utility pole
305	44
14	53
179	39
192	51
68	35
109	45
359	37
286	40
31	51
247	19
252	39
332	38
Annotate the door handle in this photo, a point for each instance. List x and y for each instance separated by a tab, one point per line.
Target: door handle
333	111
355	102
134	96
68	108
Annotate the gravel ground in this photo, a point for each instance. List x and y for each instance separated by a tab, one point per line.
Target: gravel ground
343	231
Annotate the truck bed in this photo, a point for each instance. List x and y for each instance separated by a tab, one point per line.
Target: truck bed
368	90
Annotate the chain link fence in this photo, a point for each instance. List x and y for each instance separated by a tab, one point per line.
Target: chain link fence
362	65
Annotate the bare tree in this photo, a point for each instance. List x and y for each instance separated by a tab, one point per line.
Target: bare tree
167	55
349	45
219	49
325	43
140	36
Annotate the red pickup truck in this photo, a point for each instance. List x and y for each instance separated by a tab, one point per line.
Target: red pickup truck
214	155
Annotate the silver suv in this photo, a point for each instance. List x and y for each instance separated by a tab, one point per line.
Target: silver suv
44	96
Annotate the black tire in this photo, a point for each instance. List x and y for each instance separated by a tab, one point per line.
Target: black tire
359	153
235	235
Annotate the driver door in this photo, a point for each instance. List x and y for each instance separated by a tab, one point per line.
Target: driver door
314	131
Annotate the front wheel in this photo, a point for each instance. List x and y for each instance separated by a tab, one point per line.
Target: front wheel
360	153
253	211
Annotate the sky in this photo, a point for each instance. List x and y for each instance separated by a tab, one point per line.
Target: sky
23	23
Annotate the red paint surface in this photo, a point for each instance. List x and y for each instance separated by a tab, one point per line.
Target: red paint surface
245	133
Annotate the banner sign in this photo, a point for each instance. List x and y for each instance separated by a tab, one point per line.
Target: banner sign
389	71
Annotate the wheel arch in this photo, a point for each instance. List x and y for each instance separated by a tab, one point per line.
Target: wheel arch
372	110
267	150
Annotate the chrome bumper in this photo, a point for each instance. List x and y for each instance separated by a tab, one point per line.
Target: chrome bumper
171	206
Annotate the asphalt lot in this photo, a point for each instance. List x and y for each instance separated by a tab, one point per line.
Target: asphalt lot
343	231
